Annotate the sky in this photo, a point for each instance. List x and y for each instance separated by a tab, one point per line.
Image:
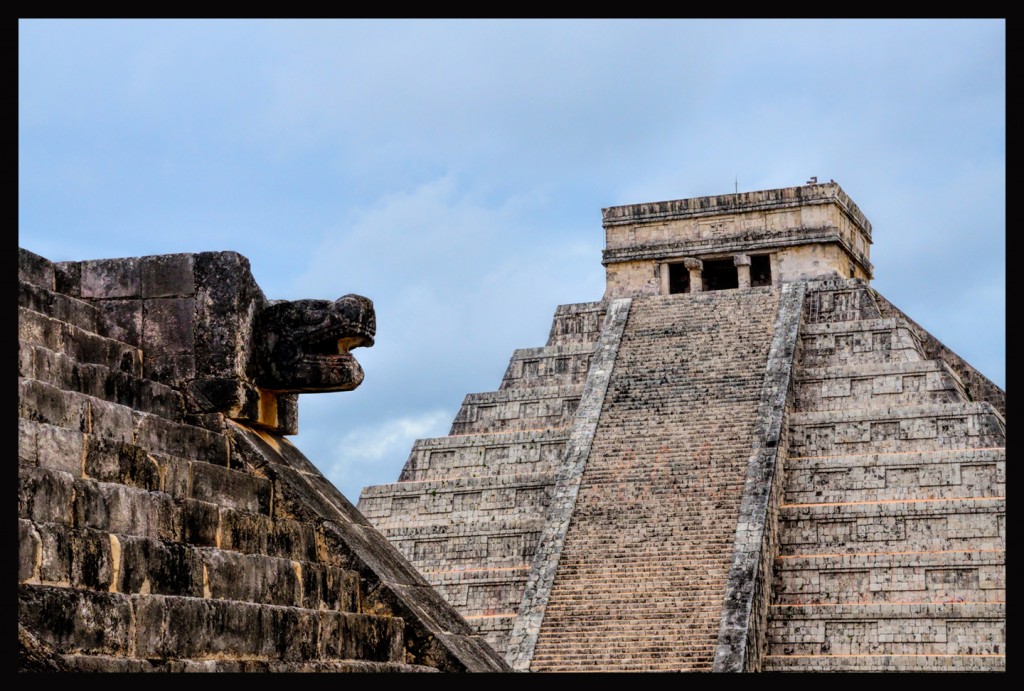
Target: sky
454	171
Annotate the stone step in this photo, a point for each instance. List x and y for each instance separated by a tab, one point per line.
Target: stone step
42	402
647	552
557	365
58	306
83	346
161	626
858	342
45	495
56	554
108	663
906	526
517	409
485	455
885	663
99	381
949	576
913	475
884	385
406	501
86	457
880	629
893	429
577	323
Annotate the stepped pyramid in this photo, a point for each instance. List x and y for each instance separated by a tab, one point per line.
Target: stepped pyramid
165	523
742	458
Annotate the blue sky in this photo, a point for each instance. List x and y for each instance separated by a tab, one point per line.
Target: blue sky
454	171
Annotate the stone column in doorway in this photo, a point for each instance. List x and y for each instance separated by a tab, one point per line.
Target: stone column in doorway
742	263
694	266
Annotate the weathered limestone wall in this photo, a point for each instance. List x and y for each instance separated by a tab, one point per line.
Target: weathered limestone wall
892	527
157	537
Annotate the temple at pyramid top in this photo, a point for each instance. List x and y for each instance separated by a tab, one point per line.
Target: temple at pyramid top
747	239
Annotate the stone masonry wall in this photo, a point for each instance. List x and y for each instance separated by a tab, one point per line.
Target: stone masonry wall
892	527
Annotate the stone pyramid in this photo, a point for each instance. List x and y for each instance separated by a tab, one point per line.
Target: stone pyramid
165	523
742	458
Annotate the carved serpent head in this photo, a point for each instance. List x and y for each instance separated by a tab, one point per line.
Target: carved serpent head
302	346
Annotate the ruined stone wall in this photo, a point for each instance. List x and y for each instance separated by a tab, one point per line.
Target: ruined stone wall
156	534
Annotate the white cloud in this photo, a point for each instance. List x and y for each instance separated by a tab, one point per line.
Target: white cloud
359	453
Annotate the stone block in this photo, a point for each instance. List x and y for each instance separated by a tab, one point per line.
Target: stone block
60	448
201	524
167	275
53	368
126	510
167	326
26	360
362	637
35	269
109	460
252	578
163	568
68	278
122	320
29	554
81	558
43	402
325	586
185	441
111	421
227	299
173	370
27	447
232	489
290	539
246	532
45	495
111	278
77	621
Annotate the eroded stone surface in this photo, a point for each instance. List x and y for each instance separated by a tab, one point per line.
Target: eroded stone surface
165	523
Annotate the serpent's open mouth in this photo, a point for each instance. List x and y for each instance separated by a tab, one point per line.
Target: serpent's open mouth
308	344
